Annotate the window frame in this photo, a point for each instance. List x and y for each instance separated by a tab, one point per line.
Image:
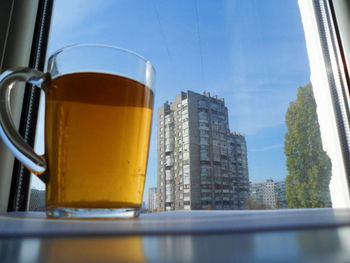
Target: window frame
23	43
14	186
329	72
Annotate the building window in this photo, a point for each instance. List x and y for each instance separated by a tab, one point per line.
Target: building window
186	155
186	139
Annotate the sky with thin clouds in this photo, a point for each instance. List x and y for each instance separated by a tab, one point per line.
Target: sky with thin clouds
252	53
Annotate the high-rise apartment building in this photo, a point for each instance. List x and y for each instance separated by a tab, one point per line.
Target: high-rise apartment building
201	164
37	200
152	199
270	193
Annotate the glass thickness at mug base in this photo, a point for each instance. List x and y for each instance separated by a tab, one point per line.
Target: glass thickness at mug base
91	213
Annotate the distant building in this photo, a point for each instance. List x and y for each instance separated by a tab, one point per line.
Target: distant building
270	193
201	164
37	200
152	199
280	189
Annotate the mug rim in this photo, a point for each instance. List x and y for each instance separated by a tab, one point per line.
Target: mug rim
102	46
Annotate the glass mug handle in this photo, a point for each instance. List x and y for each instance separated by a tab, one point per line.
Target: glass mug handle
13	140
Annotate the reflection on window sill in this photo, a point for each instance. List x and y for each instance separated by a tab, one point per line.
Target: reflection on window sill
175	222
180	236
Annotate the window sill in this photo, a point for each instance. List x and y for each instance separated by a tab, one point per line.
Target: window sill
15	224
298	235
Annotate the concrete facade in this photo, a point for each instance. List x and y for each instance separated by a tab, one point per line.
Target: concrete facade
201	164
37	200
270	193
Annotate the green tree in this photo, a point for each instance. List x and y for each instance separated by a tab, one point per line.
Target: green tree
308	165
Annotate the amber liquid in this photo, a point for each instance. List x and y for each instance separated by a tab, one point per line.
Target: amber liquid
93	249
97	137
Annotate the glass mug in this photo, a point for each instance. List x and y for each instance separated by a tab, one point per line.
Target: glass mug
98	114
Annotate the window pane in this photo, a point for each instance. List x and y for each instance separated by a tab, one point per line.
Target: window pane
238	74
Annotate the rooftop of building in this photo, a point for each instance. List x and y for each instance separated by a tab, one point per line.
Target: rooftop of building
184	95
207	94
267	181
237	134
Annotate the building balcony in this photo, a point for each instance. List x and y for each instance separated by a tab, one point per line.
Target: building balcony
204	157
203	141
205	182
169	199
204	128
169	161
169	147
169	119
187	198
169	140
203	120
169	173
187	207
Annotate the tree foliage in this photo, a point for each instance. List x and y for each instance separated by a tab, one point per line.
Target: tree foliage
308	165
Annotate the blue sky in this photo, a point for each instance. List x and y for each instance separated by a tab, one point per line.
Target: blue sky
250	52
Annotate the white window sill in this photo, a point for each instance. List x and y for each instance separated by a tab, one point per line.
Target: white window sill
298	235
175	222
